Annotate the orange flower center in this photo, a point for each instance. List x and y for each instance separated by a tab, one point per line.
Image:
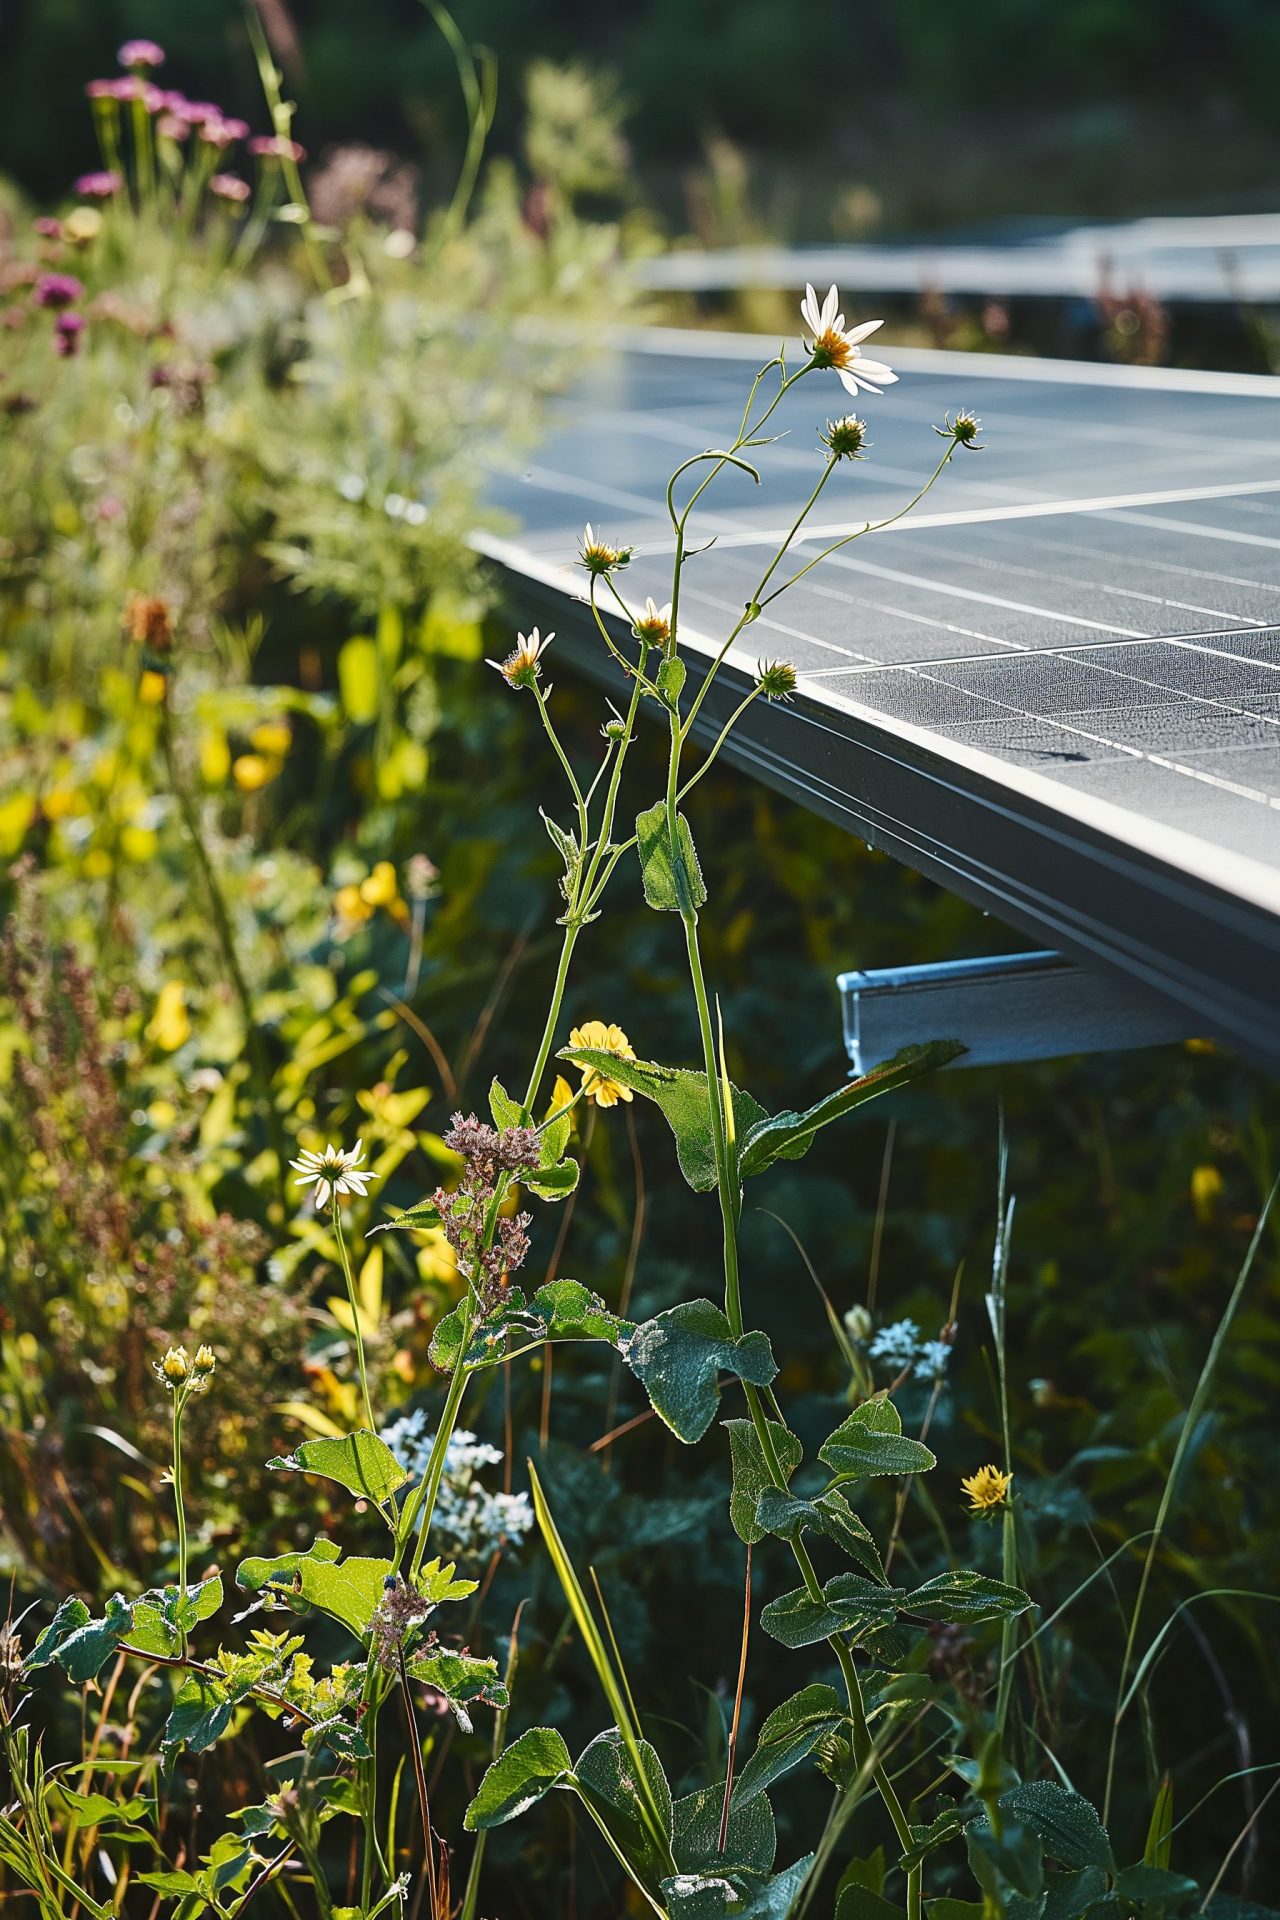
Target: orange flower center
834	349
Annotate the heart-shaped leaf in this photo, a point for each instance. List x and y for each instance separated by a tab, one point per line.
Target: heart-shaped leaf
518	1779
871	1442
361	1462
679	1356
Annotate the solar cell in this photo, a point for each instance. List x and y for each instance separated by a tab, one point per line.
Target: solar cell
1055	686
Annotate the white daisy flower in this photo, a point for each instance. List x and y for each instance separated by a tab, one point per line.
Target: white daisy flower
336	1170
523	665
654	624
834	346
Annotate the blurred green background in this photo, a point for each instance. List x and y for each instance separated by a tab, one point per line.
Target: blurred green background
942	113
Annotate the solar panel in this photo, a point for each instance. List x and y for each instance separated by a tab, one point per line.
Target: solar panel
1219	258
1055	687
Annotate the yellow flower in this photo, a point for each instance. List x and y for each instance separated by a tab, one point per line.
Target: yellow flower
151	688
351	907
380	889
273	738
1206	1190
602	1039
254	770
205	1360
170	1024
987	1489
174	1368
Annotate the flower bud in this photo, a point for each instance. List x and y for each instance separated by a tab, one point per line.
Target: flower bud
776	679
845	437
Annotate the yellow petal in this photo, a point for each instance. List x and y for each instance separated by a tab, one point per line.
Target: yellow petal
170	1025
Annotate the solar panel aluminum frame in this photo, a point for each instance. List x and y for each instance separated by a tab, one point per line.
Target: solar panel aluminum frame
1063	881
1012	1007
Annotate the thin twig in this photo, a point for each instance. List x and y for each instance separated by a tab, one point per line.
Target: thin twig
629	1272
737	1709
877	1232
607	1439
448	1085
268	1872
1236	1844
420	1779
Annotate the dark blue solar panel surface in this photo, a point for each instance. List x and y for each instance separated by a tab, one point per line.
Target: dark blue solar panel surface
1084	617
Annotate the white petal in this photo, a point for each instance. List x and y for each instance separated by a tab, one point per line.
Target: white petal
354	1155
809	310
877	370
829	307
853	383
867	327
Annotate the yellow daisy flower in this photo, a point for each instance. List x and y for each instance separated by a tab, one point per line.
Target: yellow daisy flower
987	1489
603	1039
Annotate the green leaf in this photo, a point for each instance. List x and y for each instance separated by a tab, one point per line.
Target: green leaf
570	1311
681	1096
506	1111
202	1709
789	1135
605	1773
162	1616
787	1516
871	1442
1065	1822
462	1680
671	885
347	1590
413	1219
738	1894
566	845
553	1183
173	1881
360	1462
358	678
1068	1896
340	1737
560	1310
80	1644
750	1842
96	1809
1159	1844
1152	1883
859	1903
751	1475
965	1599
847	1605
789	1736
670	679
678	1357
950	1820
518	1778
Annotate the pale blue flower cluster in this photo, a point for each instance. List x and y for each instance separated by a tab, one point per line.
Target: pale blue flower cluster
470	1520
901	1345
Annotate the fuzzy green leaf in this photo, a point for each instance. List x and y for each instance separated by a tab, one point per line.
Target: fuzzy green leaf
161	1617
966	1599
553	1183
786	1136
347	1590
751	1841
80	1644
788	1736
681	1096
560	1310
678	1357
671	885
518	1778
202	1710
606	1773
871	1442
1066	1823
848	1604
751	1475
506	1111
788	1516
461	1679
361	1462
414	1219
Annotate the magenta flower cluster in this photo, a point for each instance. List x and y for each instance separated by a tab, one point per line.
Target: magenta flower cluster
177	118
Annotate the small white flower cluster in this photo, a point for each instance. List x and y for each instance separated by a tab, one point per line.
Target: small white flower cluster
470	1520
901	1345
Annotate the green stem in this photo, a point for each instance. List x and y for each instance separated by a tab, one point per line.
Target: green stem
864	1747
347	1275
179	1507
